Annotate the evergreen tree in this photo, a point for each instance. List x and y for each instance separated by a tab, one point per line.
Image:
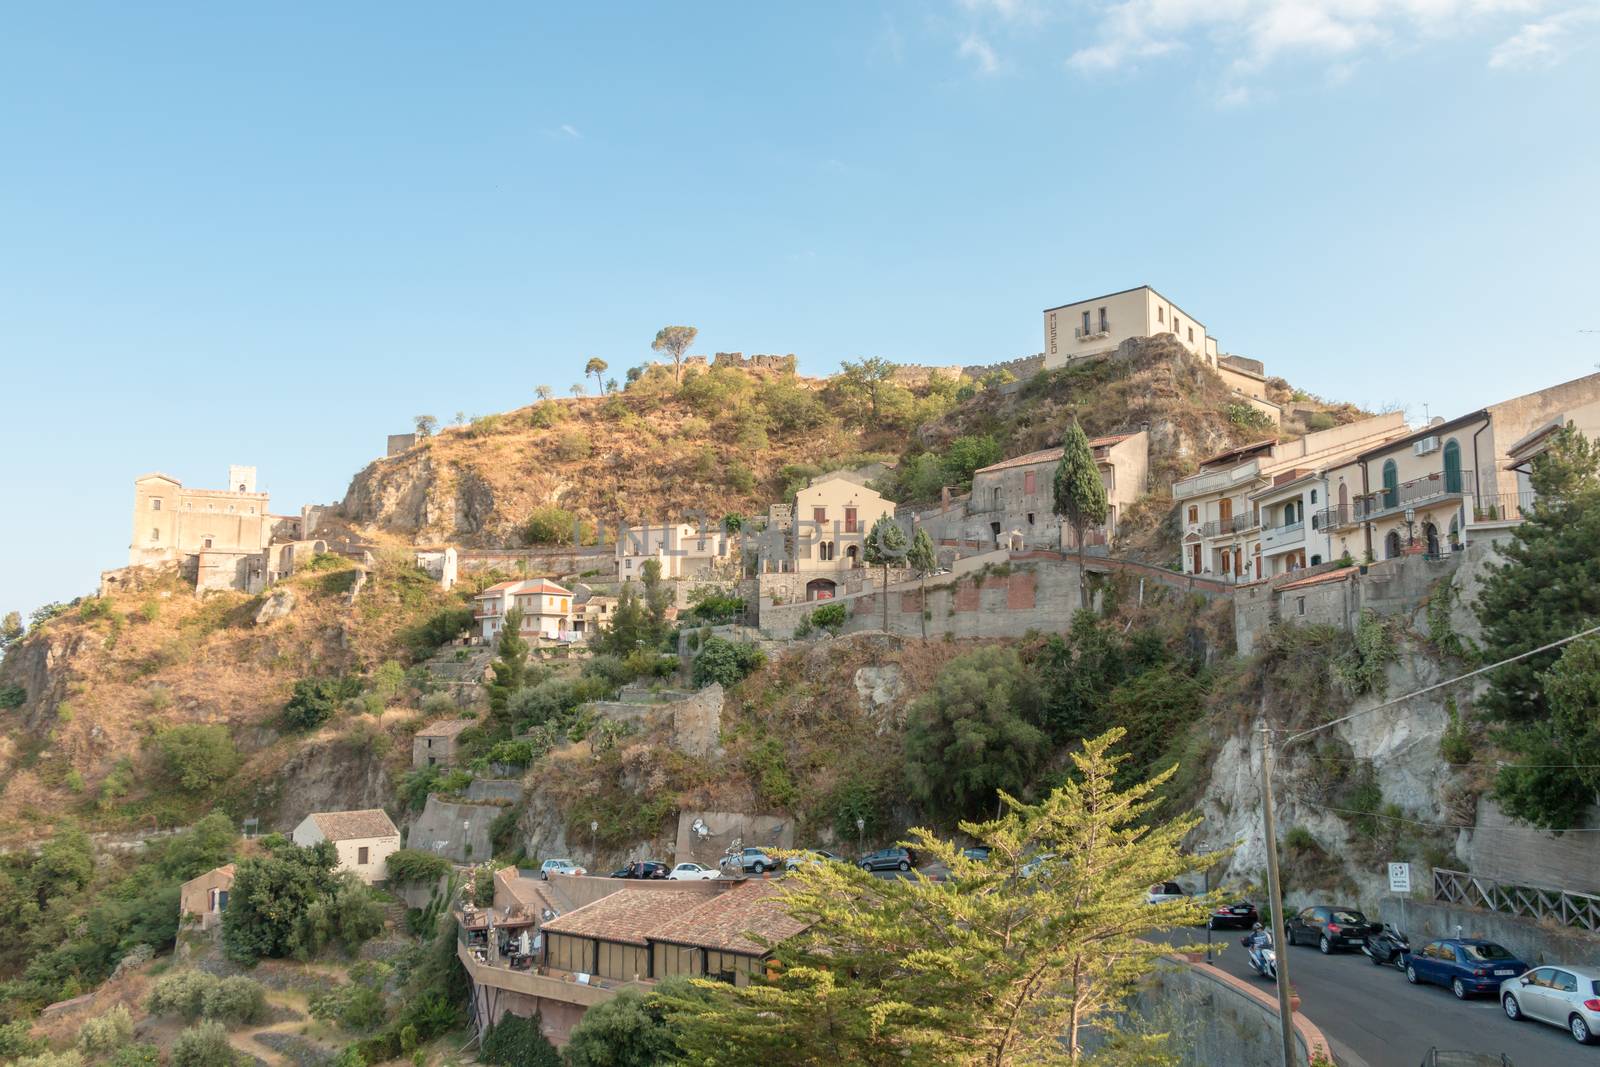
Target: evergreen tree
510	665
597	367
657	599
885	545
1009	961
1547	588
924	560
270	897
1080	494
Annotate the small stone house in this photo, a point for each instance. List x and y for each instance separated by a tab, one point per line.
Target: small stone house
435	744
205	896
364	839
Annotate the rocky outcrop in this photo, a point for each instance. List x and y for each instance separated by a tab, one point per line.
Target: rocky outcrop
278	605
322	775
41	665
879	690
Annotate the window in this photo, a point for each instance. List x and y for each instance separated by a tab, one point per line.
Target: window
1105	325
362	855
1030	482
1391	484
819	515
1194	513
1085	322
1030	518
1191	335
155	535
1299	605
1176	322
155	505
1452	466
1161	313
849	522
1315	559
207	542
1313	496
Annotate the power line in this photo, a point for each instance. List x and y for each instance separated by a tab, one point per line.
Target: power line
1438	685
1479	763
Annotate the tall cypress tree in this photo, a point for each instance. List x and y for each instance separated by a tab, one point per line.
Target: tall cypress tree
1080	495
511	664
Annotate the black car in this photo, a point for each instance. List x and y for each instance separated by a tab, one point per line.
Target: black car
1329	928
1238	915
888	859
643	869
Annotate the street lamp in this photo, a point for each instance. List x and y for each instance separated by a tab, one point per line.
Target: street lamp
861	833
594	828
1411	519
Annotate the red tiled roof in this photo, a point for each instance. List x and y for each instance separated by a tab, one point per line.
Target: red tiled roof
627	916
446	727
354	825
496	587
1317	579
727	921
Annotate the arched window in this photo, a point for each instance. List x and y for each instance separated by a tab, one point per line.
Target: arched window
1452	466
1430	534
1391	484
1391	545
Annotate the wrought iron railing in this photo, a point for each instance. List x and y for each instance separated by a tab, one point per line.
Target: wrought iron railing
1502	507
1218	527
1543	903
1415	491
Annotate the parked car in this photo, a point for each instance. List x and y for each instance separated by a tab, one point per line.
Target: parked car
642	869
889	859
1329	928
559	866
812	855
1561	996
1162	892
750	861
1240	915
977	853
693	872
1464	965
1036	864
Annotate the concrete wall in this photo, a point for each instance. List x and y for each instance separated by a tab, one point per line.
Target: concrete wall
1220	1019
1536	944
505	789
1512	852
456	831
704	836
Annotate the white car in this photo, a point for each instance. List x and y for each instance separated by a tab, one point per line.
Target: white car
692	872
1163	892
559	866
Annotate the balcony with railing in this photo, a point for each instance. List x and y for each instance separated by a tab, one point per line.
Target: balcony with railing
1213	481
1430	489
1278	537
1090	333
1226	527
1502	507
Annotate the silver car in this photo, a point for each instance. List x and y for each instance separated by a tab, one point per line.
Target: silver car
1561	996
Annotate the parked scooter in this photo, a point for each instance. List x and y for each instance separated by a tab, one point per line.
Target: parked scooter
1387	947
1262	956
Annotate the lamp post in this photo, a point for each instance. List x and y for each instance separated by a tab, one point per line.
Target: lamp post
861	834
1411	520
594	828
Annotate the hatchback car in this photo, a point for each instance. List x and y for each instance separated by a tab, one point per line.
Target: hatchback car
1561	996
811	855
1239	915
642	869
558	866
1162	892
750	861
1465	966
1329	928
888	859
692	872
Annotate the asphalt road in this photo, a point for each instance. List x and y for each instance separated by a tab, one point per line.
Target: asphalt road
1375	1018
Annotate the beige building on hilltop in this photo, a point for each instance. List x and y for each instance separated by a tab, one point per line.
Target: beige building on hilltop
1097	326
363	839
684	550
546	609
205	897
1013	502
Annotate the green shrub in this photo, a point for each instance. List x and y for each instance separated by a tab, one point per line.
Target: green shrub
15	1039
69	1058
573	445
483	886
179	993
516	753
409	866
237	1000
549	525
353	1006
725	662
313	703
205	1045
197	756
12	696
1299	839
519	1042
830	617
135	1056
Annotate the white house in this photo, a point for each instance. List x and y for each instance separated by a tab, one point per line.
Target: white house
684	550
364	839
1094	327
546	609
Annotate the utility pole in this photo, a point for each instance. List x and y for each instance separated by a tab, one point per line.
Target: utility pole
1275	897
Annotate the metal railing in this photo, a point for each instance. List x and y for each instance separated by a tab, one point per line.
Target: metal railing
1433	486
1578	910
1237	524
1081	333
1285	530
1503	507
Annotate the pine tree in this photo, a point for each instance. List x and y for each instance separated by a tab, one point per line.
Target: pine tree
511	663
924	560
1080	494
1007	962
885	545
1547	588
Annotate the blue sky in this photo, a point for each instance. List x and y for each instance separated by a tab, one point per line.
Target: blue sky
233	235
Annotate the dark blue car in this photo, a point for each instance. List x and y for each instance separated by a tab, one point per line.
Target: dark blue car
1463	965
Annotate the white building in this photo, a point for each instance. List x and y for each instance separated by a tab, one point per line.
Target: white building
546	609
363	839
684	550
1097	326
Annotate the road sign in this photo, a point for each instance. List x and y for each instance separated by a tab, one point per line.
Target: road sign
1399	877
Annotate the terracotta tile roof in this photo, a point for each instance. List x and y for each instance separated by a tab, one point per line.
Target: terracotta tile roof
354	825
535	895
1317	579
544	586
726	921
1050	455
226	870
495	588
446	727
627	916
1251	447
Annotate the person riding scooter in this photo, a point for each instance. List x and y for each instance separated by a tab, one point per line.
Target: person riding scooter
1258	943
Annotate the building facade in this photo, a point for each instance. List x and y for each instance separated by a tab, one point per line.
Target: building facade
204	898
171	522
1095	327
545	606
683	551
363	839
435	744
1012	502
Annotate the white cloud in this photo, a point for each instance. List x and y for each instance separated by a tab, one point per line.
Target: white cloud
571	131
1545	42
981	53
1244	37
